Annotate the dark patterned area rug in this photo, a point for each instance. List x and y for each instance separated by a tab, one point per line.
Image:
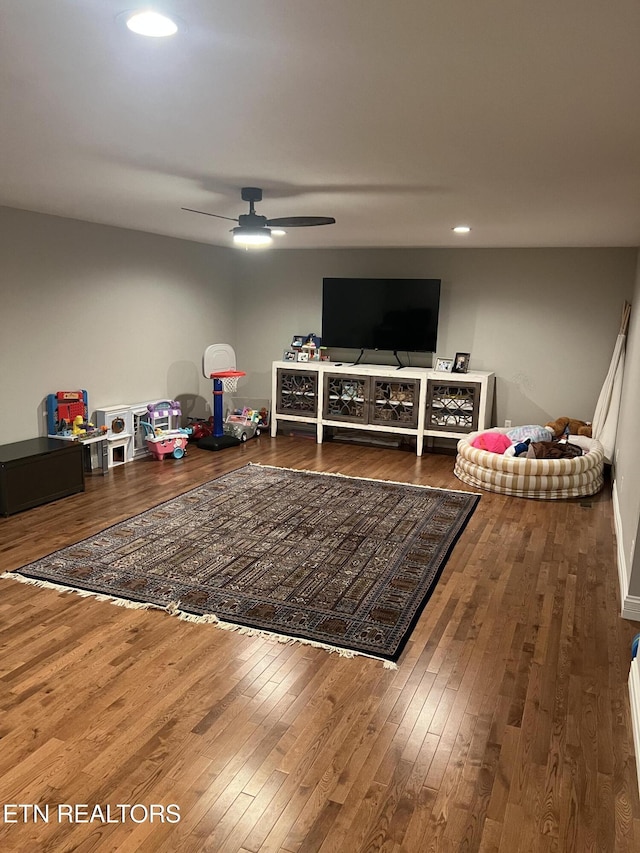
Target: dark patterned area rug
339	562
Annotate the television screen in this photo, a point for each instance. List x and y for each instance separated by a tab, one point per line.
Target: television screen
396	314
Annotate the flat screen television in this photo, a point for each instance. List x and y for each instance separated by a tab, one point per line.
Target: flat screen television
395	314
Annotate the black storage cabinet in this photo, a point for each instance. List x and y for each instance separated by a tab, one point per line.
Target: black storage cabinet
37	471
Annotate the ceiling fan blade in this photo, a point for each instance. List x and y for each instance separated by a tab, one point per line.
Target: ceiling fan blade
300	221
204	213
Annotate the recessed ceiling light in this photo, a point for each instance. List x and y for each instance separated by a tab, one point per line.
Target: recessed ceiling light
150	23
461	229
278	232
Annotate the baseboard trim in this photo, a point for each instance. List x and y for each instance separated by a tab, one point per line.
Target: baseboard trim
631	608
630	603
634	700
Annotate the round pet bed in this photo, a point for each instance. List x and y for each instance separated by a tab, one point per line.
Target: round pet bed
548	479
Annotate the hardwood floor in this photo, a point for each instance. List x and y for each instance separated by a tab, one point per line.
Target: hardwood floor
505	728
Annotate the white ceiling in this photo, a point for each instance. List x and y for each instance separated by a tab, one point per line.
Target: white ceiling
401	119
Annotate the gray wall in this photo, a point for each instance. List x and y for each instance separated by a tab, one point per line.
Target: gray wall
127	315
122	314
544	320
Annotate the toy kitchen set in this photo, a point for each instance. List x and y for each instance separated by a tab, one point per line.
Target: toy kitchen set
136	430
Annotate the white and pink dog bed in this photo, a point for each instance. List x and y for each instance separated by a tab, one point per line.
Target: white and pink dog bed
548	479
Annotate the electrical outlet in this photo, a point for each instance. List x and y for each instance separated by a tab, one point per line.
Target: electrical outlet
507	424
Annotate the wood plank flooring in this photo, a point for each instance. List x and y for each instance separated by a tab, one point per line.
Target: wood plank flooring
505	728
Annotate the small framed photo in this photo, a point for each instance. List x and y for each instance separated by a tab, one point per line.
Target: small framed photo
445	365
297	341
303	355
461	362
289	355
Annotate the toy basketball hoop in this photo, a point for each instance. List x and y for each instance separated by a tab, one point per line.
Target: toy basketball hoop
219	364
228	379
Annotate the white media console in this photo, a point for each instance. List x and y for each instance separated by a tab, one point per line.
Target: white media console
410	401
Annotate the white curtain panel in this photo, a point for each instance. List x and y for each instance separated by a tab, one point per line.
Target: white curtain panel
605	419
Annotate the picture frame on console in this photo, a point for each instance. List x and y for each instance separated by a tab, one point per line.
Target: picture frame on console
302	355
298	341
461	362
289	355
444	365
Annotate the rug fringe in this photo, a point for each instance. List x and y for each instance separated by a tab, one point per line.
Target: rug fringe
173	609
212	619
83	593
365	479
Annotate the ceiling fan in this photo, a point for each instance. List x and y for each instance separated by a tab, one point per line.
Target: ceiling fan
254	229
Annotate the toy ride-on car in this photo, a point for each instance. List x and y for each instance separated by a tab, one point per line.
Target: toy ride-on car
200	428
242	425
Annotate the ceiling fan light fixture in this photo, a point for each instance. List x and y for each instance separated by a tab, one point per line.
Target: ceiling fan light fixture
251	237
254	230
146	22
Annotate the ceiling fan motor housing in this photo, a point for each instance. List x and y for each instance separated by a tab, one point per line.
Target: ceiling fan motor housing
252	219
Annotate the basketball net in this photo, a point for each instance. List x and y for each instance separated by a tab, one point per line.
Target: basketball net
230	384
229	379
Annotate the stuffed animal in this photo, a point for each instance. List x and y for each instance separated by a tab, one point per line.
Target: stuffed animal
569	426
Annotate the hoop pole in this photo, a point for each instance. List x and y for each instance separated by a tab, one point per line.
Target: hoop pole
218	392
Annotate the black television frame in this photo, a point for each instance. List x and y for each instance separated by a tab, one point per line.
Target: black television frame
381	314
